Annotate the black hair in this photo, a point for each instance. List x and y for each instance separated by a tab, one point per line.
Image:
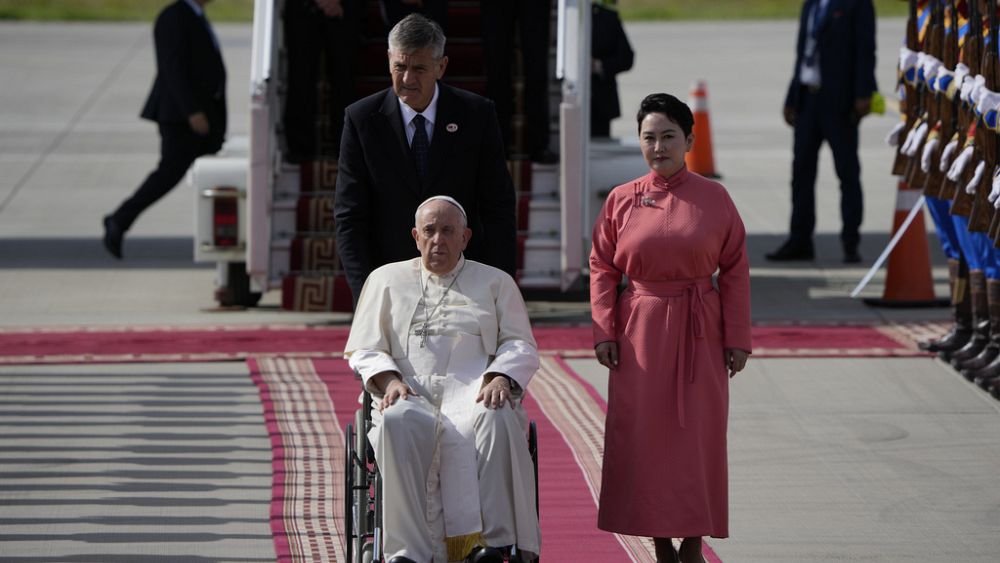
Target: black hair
675	110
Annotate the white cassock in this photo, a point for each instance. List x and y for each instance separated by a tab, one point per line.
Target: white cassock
445	459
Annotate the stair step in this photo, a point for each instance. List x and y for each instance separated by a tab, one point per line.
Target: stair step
314	215
542	262
313	253
544	216
320	293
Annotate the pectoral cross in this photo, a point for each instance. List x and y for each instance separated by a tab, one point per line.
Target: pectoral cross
422	333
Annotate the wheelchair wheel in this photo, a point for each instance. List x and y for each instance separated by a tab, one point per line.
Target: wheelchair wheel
533	450
362	486
349	491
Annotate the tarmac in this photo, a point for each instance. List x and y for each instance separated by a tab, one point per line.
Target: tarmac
841	459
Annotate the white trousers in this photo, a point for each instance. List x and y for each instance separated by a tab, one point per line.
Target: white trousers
421	458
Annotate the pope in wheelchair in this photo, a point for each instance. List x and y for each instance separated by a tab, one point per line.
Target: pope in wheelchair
444	346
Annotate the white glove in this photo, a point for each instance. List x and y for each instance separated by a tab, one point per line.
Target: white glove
946	154
930	66
970	188
966	88
908	64
917	140
995	191
919	66
988	106
908	140
961	71
892	139
957	167
978	87
988	99
925	159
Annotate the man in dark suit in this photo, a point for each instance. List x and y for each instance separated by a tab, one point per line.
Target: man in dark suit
188	102
316	30
531	19
831	89
610	54
417	139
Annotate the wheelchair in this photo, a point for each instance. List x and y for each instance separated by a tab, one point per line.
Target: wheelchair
363	487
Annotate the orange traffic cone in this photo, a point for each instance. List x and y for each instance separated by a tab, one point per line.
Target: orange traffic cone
699	159
908	281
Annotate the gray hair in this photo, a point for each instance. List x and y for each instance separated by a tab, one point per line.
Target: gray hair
416	32
451	200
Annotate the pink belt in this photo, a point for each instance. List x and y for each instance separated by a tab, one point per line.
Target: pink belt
691	290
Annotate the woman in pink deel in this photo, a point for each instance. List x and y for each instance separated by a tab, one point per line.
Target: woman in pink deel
671	339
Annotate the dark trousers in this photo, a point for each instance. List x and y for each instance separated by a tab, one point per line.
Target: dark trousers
816	122
600	124
179	147
308	36
533	20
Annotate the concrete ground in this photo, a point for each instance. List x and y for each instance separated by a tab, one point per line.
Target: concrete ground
831	459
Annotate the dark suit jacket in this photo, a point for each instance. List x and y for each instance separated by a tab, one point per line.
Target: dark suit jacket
378	189
846	44
190	74
610	45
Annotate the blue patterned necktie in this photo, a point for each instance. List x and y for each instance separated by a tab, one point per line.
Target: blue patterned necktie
420	145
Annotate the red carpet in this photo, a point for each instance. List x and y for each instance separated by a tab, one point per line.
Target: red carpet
222	343
308	402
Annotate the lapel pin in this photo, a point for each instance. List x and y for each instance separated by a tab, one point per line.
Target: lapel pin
451	127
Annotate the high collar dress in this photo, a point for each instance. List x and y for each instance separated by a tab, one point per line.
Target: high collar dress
665	468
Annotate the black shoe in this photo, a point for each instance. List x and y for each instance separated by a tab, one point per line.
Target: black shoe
401	559
484	555
792	251
851	257
544	156
951	341
113	235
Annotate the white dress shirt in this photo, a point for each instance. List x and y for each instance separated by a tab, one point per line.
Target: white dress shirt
429	113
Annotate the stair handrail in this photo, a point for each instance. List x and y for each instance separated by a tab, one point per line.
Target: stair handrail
264	158
573	67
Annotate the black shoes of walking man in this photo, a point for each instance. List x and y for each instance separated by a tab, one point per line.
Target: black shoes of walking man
802	251
113	235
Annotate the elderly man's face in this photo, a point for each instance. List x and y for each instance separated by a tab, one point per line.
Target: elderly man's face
440	236
414	75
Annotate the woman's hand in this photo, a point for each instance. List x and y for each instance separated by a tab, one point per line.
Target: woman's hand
607	354
495	392
736	360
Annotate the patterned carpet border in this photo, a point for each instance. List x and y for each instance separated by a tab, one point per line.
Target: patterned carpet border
307	403
69	345
307	461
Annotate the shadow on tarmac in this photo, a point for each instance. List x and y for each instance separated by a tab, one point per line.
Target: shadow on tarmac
89	253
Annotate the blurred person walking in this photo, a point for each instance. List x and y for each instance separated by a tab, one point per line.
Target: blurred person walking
188	103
